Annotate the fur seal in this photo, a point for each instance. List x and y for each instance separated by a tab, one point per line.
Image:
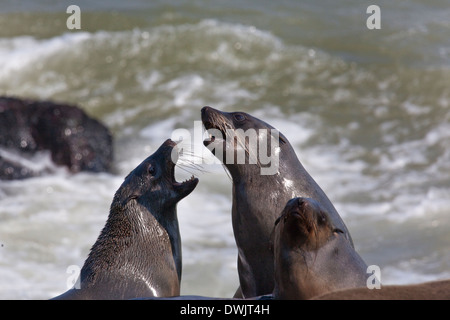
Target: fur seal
433	290
258	199
138	252
311	255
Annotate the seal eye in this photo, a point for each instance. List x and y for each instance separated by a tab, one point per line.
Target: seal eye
151	170
239	117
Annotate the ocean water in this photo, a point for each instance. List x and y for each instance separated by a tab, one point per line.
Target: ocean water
368	112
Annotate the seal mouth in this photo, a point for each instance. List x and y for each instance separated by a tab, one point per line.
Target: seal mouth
300	210
192	181
298	215
181	188
185	187
213	120
211	137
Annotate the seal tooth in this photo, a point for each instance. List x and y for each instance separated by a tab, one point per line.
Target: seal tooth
190	179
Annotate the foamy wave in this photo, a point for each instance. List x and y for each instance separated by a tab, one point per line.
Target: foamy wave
49	223
407	272
22	52
73	64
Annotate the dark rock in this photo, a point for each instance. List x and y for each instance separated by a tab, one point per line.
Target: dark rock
73	138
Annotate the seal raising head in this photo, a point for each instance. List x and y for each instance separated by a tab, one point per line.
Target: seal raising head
138	252
266	174
311	255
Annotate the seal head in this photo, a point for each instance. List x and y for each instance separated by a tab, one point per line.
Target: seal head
311	255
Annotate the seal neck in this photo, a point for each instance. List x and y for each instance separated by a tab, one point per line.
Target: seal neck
131	243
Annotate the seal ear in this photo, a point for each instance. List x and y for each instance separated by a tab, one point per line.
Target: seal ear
278	220
272	234
128	199
128	175
272	237
281	139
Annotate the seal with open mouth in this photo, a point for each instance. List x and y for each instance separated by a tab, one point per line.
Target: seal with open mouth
138	252
312	256
259	198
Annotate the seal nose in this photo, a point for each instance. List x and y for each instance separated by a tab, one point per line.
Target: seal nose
170	143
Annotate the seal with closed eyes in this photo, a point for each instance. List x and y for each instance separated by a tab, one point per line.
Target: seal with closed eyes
311	255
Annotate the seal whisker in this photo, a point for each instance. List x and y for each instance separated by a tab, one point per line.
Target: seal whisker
247	151
190	161
227	172
195	167
190	153
185	169
194	171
